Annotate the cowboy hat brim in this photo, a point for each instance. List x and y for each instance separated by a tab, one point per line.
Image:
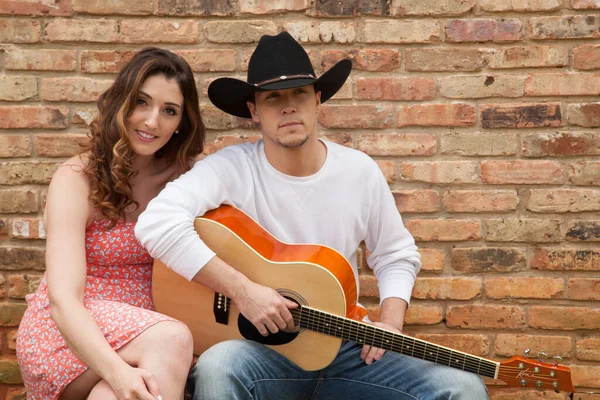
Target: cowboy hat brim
231	95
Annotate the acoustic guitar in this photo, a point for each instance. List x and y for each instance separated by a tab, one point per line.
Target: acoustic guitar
322	282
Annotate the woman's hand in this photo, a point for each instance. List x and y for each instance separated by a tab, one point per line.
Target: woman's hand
132	383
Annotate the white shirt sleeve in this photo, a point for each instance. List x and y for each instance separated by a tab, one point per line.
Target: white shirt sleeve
166	227
394	256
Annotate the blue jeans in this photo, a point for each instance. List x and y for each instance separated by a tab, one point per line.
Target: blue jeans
242	369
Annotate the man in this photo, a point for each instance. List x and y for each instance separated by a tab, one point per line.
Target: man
302	190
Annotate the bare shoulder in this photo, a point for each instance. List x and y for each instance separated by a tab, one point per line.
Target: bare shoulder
70	173
69	189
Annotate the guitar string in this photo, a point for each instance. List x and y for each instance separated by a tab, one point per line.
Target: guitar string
372	333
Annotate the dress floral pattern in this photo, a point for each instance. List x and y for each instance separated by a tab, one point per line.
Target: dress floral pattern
117	295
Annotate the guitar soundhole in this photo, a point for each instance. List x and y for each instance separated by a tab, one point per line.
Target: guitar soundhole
249	331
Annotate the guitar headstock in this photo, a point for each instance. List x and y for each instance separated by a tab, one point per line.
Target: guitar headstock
527	373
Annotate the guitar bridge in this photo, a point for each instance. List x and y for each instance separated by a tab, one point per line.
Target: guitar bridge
221	308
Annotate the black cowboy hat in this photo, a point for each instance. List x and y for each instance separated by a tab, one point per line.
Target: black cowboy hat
279	62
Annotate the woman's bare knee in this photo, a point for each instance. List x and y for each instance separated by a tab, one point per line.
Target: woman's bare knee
102	391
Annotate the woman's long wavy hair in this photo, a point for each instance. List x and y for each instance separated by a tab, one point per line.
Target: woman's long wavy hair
109	165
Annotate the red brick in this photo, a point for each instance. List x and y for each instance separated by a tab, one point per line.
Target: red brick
485	316
18	88
529	57
350	8
480	200
585	173
238	31
436	115
196	7
585	4
564	318
432	260
523	230
519	393
209	60
111	7
16	394
84	115
444	230
563	200
417	201
15	146
27	228
566	259
441	171
346	139
586	396
484	30
10	370
74	89
585	376
488	259
407	89
18	201
350	116
388	169
583	231
479	144
380	60
40	59
321	32
423	315
585	114
588	349
584	289
227	140
21	258
22	284
214	118
480	86
432	7
397	144
12	340
564	27
144	31
12	117
36	7
104	61
500	172
11	314
81	30
507	345
447	288
268	7
20	31
563	84
26	172
520	6
529	115
586	56
478	345
524	288
401	31
4	222
445	59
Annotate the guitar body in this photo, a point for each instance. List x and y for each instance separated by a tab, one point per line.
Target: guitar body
296	270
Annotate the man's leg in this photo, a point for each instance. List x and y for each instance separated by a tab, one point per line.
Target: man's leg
242	369
395	377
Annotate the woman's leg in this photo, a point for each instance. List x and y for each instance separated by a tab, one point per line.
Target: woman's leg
164	350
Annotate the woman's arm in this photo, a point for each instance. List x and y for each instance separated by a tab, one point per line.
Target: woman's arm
68	210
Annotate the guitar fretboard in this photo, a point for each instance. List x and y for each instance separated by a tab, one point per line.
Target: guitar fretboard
360	332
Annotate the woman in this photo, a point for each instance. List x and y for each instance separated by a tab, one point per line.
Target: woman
90	330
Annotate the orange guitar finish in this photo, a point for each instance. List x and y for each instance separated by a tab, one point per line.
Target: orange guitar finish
272	249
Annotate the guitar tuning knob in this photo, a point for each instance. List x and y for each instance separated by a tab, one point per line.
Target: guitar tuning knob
557	359
542	356
527	351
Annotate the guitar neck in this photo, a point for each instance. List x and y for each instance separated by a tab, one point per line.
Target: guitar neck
360	332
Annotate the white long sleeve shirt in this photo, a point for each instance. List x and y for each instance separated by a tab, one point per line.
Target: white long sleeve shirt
345	202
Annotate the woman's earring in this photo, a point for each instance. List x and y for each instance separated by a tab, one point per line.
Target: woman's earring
177	131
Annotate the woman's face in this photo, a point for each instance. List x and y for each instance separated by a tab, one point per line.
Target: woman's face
156	116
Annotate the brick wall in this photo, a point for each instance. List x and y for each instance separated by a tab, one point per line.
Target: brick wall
483	115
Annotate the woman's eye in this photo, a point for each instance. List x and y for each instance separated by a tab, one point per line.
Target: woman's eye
171	111
141	102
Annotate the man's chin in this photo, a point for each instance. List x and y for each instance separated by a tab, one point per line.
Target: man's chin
293	143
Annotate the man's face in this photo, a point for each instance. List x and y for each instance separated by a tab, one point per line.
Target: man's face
287	117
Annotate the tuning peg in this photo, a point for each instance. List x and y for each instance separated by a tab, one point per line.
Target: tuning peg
527	351
542	356
557	359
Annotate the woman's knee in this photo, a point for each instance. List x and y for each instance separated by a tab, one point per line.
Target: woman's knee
102	391
171	339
